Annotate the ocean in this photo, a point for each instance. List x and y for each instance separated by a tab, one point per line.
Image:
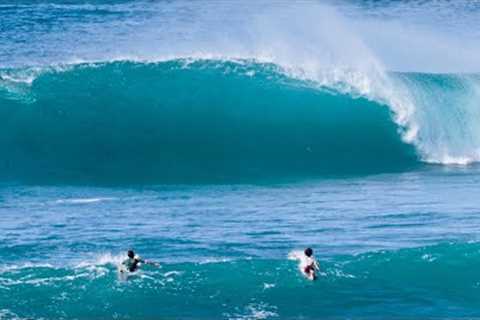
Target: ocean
221	138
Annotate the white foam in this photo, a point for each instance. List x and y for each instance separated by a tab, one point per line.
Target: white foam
83	200
428	257
267	286
215	260
172	273
298	255
16	84
9	315
9	268
341	274
257	311
106	258
295	255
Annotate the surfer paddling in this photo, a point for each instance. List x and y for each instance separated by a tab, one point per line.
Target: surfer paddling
133	262
310	265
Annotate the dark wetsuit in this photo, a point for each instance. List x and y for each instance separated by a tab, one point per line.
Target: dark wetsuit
132	263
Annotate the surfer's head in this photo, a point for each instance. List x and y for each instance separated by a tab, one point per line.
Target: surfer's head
308	252
131	254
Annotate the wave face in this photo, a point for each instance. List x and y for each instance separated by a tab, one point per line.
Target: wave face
187	121
365	285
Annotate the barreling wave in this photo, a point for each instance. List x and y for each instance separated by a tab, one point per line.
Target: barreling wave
188	121
184	121
434	281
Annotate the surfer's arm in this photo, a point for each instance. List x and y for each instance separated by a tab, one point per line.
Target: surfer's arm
150	262
156	264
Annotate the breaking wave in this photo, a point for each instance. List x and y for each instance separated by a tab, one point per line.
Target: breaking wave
188	120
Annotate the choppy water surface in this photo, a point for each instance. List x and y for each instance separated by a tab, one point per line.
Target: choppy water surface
220	137
390	245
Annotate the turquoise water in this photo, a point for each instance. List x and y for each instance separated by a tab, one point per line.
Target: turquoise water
221	138
390	245
209	121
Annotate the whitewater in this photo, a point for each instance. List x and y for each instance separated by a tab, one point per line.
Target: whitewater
220	137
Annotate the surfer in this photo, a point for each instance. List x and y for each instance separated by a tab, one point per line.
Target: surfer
310	265
133	262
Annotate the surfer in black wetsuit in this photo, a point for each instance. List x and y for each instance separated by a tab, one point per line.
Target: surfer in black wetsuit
133	261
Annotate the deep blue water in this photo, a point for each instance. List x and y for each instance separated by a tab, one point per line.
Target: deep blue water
220	138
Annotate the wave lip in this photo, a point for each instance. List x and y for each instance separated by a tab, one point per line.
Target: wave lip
446	116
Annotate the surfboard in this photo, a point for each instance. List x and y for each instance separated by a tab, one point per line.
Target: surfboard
123	273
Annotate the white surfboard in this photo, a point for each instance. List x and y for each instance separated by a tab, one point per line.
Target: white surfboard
123	273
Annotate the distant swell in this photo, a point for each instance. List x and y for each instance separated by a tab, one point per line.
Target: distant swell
180	121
